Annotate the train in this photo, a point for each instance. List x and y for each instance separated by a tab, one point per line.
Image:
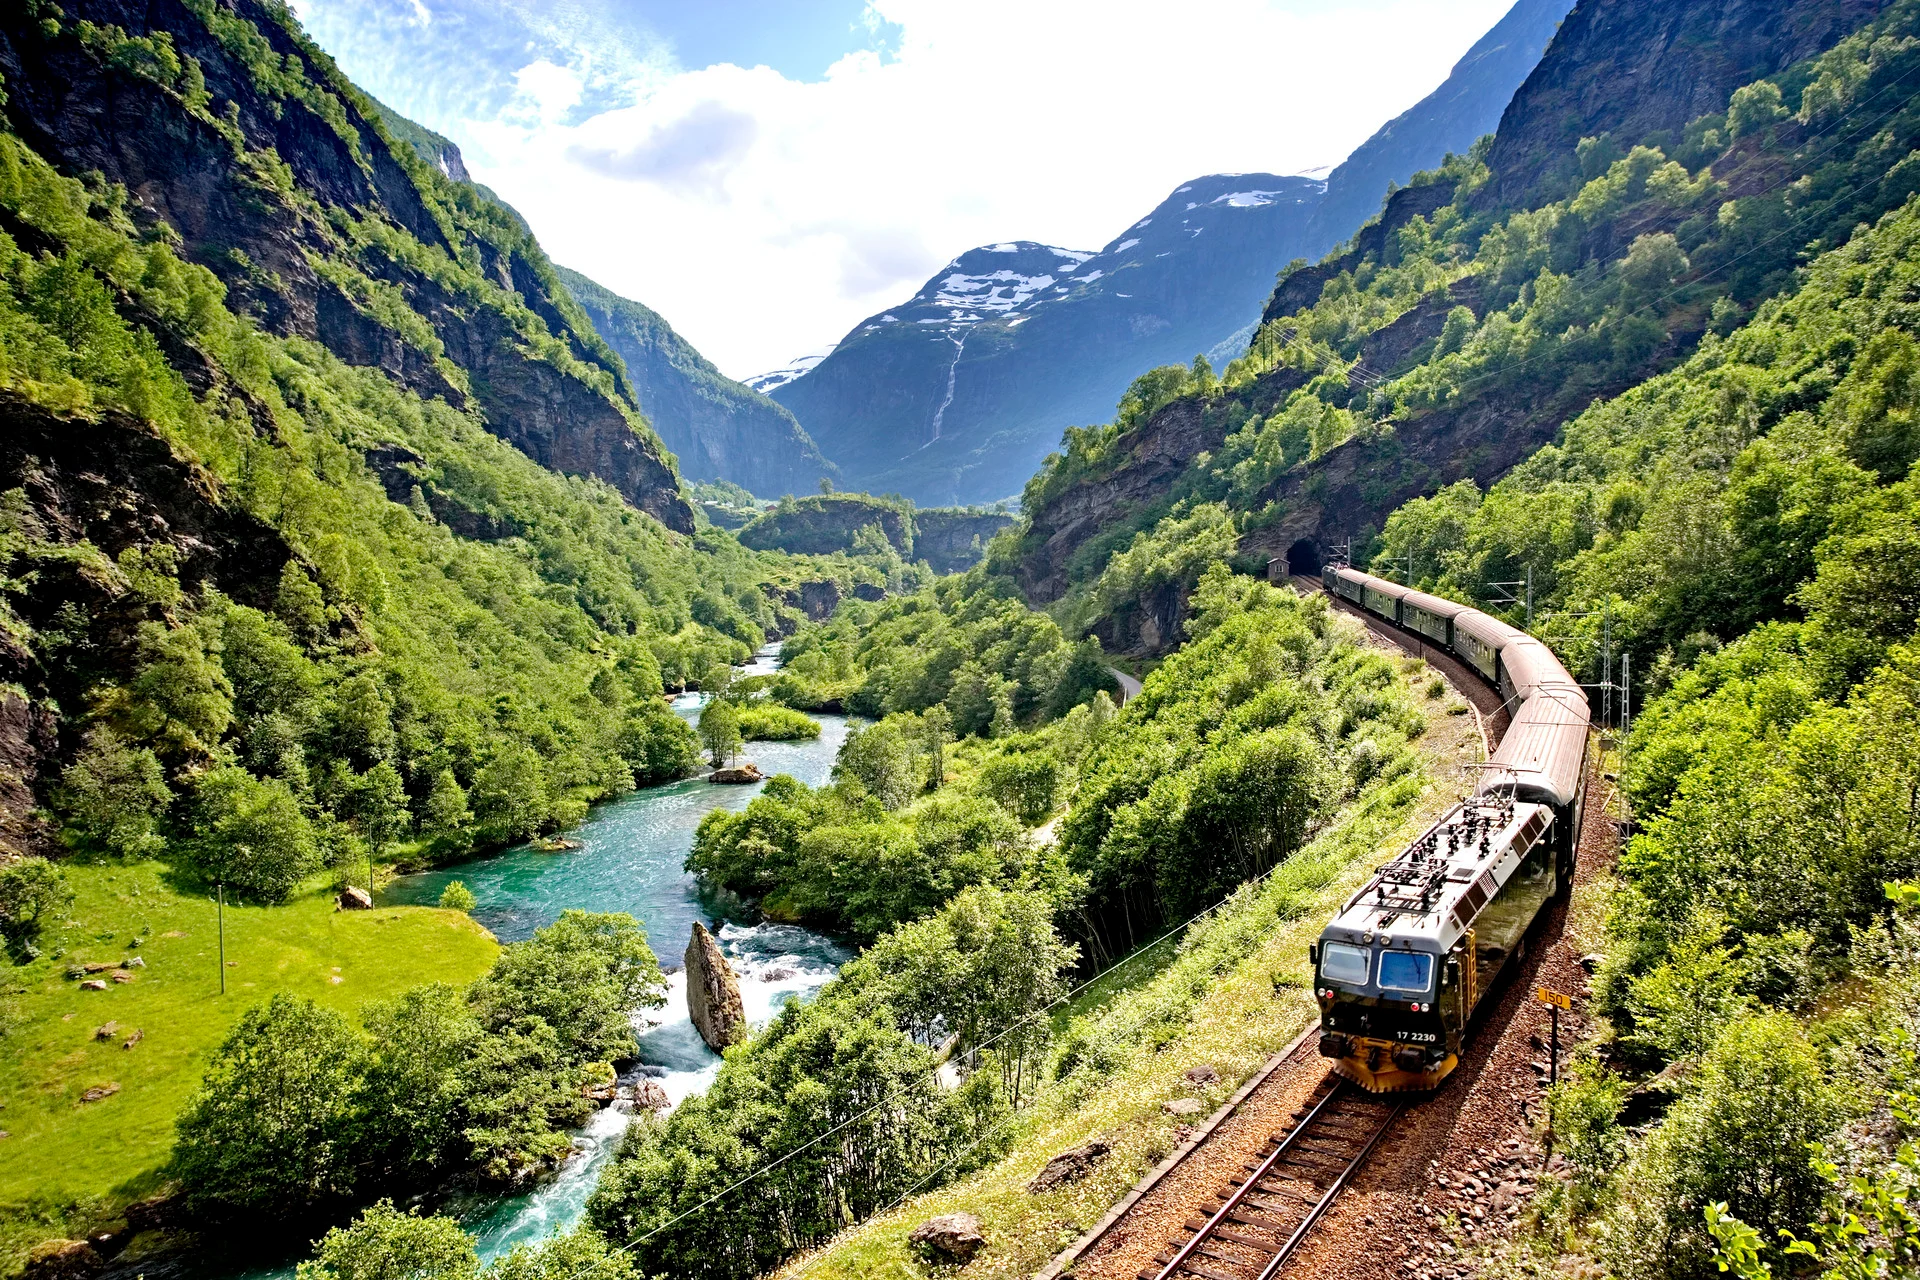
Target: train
1402	968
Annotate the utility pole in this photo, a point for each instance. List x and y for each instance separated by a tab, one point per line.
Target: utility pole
1626	694
1606	662
1529	598
221	916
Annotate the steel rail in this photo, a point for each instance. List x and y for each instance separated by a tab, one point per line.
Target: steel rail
1339	1093
1339	1184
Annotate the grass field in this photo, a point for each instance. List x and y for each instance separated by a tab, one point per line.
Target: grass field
60	1150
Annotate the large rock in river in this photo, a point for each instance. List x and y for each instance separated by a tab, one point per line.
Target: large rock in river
713	993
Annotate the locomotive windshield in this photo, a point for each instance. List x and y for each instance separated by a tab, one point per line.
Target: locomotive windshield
1406	970
1342	963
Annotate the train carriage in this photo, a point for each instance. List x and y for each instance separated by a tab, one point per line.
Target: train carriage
1430	616
1401	970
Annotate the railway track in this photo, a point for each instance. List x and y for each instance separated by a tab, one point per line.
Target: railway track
1265	1213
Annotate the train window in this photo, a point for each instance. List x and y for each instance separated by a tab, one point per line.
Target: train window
1406	970
1342	963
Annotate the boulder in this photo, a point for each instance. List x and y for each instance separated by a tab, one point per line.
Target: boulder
94	984
649	1096
951	1237
63	1260
1202	1075
106	1030
354	898
100	1091
1182	1107
745	771
1070	1166
713	993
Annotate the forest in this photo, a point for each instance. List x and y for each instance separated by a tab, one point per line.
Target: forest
282	621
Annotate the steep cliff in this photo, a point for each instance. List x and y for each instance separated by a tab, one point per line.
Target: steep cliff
1637	70
1458	331
230	128
948	539
716	427
1467	105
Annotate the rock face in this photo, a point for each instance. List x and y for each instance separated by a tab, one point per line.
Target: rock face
649	1096
119	489
951	1237
490	325
1070	1166
1634	67
713	993
1465	106
957	393
949	539
718	428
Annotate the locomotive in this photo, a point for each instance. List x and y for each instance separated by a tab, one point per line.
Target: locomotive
1401	969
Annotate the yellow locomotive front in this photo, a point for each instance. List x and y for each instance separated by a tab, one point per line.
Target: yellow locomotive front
1401	969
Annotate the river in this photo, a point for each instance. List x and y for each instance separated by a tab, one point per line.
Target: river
631	862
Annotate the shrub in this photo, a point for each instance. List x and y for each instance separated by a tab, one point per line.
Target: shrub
385	1244
269	1131
31	889
113	796
457	897
770	722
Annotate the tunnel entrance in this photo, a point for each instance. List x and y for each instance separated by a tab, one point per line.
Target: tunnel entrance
1303	558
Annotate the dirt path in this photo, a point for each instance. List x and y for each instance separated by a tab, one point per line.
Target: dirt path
1460	1165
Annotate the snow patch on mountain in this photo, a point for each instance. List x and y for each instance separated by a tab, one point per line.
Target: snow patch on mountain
766	382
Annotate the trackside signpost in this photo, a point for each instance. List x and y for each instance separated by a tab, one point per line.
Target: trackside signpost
1555	1001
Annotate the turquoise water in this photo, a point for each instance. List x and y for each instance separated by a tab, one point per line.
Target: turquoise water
631	861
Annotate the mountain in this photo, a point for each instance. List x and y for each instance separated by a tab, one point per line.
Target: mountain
719	429
959	393
1407	363
1466	106
955	395
371	258
296	424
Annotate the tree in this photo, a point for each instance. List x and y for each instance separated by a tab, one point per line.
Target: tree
457	897
411	1097
580	1254
181	698
113	796
31	889
583	975
270	1130
251	834
385	1244
720	731
881	759
657	744
446	809
937	724
379	805
510	793
362	720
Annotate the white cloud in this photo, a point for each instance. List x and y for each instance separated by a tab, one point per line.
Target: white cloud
764	217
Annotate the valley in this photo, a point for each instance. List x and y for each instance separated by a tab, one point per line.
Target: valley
484	793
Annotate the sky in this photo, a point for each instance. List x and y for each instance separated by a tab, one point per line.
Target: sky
767	173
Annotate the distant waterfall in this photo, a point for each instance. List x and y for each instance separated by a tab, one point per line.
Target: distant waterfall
953	370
